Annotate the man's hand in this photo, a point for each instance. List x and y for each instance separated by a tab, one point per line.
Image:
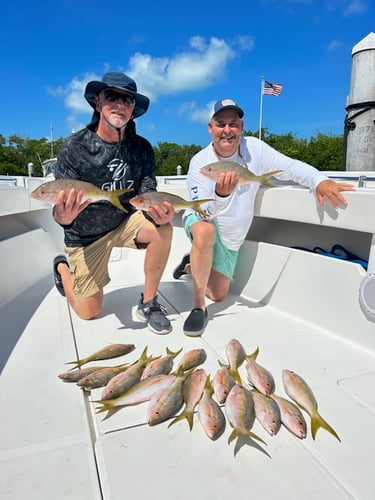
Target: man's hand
332	190
226	183
68	204
162	215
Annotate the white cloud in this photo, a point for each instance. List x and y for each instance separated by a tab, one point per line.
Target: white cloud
354	7
202	65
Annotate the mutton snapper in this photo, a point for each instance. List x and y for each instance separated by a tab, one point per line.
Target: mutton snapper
246	177
298	390
49	190
147	200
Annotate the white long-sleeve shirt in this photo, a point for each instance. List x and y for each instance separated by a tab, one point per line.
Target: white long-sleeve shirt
234	214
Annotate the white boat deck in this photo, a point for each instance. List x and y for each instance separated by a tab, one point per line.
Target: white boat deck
301	309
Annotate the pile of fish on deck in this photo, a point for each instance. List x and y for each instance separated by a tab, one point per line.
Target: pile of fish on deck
189	388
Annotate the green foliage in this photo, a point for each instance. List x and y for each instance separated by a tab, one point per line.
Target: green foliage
17	152
325	152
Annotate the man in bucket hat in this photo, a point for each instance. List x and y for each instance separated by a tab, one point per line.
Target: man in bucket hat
109	154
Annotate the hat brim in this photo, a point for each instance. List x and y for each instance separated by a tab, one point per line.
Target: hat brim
237	109
94	88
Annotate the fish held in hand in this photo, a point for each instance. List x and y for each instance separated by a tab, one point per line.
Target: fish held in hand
239	408
246	177
49	190
147	200
291	416
192	390
108	352
298	390
210	414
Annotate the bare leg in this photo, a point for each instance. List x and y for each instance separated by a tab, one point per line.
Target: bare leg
206	281
158	247
87	308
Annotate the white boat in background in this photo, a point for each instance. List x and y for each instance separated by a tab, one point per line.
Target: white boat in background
306	311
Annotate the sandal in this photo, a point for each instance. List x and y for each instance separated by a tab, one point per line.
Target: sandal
56	275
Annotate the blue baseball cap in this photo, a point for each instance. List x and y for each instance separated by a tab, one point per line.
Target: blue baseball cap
226	104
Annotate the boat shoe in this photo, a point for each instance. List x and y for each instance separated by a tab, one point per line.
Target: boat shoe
56	275
154	314
196	322
180	269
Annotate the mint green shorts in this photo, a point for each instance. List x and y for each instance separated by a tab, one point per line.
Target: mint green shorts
224	260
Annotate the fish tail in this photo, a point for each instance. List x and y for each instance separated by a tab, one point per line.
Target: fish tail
185	414
254	436
114	199
77	364
235	433
236	374
107	405
317	421
173	353
263	179
196	205
253	355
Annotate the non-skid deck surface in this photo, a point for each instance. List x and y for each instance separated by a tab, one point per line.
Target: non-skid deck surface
53	445
176	463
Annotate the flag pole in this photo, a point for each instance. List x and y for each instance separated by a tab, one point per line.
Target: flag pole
261	106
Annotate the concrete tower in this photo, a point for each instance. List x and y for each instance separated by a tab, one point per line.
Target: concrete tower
359	131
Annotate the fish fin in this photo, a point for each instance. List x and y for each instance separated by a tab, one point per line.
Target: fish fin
107	405
78	363
185	414
317	421
254	436
235	433
236	375
197	206
253	355
173	353
264	178
113	198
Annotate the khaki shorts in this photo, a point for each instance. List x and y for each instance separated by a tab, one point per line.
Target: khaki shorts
89	265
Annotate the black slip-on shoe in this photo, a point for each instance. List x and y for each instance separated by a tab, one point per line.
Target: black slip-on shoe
196	322
180	269
56	275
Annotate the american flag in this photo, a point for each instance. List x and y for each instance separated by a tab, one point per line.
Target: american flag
272	88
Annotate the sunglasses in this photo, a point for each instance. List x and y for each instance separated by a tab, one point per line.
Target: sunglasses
112	96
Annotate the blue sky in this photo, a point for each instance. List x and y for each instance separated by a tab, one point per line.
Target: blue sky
184	56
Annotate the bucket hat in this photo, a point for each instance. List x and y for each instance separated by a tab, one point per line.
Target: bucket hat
120	81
